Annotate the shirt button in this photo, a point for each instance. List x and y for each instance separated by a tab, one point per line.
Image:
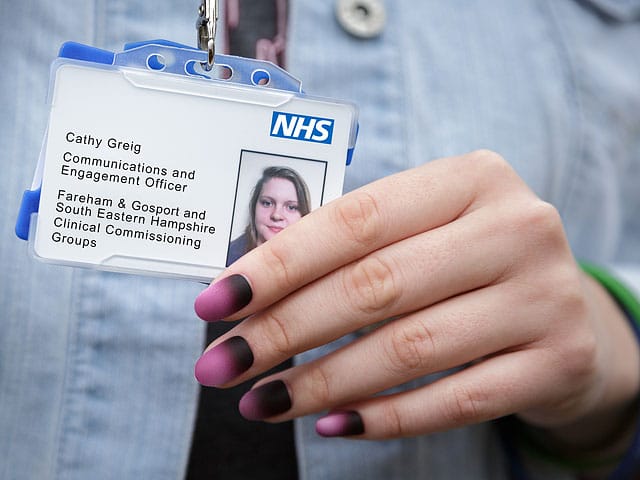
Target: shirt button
361	18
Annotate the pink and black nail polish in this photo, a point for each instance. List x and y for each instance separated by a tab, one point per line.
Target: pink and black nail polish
224	298
224	362
340	424
265	401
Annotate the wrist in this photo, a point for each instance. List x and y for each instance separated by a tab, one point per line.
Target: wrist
605	441
608	410
628	303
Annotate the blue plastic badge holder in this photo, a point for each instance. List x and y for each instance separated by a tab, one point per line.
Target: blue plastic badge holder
149	159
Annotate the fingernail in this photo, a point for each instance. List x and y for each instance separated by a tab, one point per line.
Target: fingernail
223	298
224	362
340	424
265	401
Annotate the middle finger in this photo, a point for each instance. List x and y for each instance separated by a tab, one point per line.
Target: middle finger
398	279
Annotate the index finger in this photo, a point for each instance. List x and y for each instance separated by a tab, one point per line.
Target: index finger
360	222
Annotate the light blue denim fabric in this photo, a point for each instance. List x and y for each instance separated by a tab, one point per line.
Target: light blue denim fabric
96	368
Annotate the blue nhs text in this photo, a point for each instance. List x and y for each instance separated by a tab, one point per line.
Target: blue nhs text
301	127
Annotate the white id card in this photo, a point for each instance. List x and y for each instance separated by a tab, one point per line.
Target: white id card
148	166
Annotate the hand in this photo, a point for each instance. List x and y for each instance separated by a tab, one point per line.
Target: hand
475	272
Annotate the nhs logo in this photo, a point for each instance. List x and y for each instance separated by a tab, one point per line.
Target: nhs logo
302	127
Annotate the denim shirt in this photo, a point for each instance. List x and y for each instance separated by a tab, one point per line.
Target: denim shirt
96	368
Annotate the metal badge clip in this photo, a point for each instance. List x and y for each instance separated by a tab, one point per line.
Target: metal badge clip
206	26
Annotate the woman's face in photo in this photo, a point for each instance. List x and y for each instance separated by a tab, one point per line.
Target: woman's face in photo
277	208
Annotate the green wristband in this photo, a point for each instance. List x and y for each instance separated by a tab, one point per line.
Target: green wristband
616	289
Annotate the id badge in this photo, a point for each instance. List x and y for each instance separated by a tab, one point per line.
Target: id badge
153	165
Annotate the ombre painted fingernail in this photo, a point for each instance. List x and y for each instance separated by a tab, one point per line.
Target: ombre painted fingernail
265	401
340	424
224	362
223	298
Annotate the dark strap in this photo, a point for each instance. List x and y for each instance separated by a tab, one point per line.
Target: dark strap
224	445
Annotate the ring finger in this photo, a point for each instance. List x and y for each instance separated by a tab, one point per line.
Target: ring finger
447	335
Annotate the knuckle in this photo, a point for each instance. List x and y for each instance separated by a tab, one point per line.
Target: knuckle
543	220
463	406
393	425
371	286
578	345
538	228
489	172
579	363
278	260
411	348
276	332
318	386
489	162
358	216
569	293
